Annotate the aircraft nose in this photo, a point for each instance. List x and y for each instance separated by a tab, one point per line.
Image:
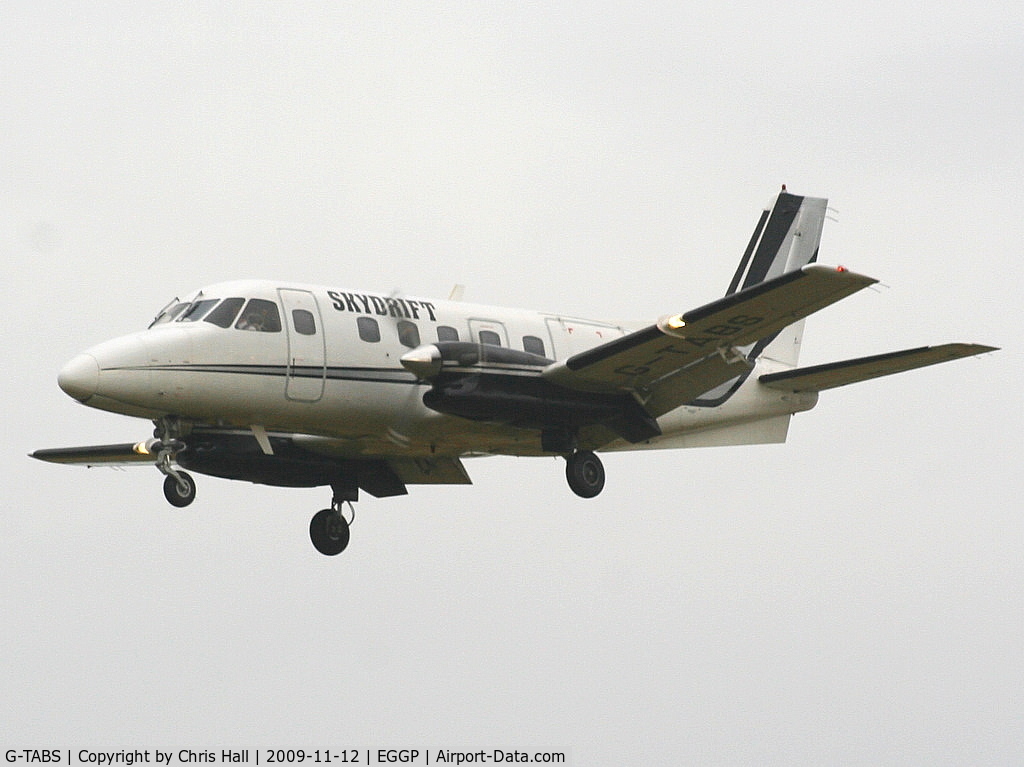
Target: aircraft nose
80	377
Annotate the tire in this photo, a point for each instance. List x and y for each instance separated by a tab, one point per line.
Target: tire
585	474
175	494
329	532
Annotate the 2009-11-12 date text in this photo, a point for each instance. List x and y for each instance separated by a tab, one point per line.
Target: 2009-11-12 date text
319	756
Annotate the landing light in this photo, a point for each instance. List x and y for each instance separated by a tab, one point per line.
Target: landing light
676	322
141	448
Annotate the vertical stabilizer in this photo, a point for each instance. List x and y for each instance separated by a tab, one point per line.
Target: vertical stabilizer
786	238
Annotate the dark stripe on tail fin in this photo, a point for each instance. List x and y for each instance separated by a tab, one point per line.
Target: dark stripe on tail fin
742	268
785	240
769	237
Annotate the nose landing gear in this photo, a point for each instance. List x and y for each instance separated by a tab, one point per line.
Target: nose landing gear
179	487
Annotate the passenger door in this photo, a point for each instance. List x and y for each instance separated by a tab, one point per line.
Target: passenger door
306	368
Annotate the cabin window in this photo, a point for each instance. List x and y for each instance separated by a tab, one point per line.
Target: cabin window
260	315
446	333
533	345
369	330
197	309
304	322
225	314
490	338
408	334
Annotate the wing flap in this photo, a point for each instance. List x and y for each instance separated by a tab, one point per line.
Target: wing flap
430	471
694	352
688	383
834	374
125	454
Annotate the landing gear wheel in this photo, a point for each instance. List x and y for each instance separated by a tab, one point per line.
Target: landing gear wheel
329	532
585	473
179	490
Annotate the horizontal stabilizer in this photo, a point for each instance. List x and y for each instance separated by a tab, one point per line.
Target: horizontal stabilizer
829	376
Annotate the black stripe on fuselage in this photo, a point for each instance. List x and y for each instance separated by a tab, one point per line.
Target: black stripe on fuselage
377	375
368	375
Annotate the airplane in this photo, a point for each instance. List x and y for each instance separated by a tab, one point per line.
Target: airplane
299	385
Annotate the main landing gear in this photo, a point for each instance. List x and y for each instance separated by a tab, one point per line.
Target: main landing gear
585	473
328	529
583	469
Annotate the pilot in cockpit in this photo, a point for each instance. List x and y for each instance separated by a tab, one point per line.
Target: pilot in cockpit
255	317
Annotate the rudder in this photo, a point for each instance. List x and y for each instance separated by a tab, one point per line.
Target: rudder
786	238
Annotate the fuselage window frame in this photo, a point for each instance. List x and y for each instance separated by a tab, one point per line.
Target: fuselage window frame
304	322
408	334
447	333
489	338
534	345
369	329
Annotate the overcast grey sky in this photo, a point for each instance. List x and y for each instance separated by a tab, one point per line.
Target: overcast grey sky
852	597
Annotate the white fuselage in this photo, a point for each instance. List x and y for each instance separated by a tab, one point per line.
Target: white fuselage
332	370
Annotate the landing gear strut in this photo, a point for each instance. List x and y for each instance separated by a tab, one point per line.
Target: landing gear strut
328	529
585	473
179	487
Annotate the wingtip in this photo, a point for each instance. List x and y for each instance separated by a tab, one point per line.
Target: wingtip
817	268
982	348
961	349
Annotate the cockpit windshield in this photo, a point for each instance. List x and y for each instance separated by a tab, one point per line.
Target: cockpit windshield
225	314
196	310
259	314
172	309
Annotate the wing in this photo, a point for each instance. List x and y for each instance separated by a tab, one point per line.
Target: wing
127	454
290	460
681	357
420	470
821	377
